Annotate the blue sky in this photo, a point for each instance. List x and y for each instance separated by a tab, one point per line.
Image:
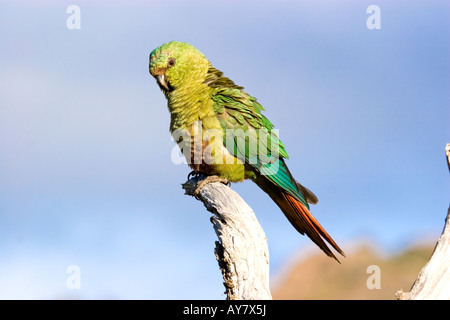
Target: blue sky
86	176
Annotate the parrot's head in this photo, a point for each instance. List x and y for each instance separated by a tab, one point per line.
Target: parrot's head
177	64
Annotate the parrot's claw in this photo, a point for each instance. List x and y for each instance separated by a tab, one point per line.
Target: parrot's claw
194	173
207	180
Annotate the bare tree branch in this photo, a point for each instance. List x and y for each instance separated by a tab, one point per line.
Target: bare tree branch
433	282
241	251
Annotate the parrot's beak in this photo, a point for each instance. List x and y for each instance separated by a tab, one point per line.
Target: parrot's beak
162	82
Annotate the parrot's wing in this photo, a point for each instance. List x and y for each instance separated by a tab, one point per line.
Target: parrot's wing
250	137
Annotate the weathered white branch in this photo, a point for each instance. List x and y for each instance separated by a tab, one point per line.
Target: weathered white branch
433	282
241	251
447	154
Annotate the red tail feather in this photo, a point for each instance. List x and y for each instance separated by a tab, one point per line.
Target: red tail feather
304	222
299	216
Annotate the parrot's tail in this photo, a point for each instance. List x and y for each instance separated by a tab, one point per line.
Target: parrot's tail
300	217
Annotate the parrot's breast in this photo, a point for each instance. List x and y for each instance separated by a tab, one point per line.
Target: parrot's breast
205	151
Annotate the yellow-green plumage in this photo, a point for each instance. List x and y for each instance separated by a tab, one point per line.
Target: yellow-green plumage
197	93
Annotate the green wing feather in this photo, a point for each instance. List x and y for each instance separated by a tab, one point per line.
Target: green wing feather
240	112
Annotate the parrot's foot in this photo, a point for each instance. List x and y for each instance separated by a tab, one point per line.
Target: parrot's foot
207	180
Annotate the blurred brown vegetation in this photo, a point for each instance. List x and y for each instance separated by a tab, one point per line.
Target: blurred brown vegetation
319	277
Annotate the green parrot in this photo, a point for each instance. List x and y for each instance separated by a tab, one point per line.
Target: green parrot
230	138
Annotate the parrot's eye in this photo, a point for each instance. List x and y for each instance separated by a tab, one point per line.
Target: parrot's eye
171	62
